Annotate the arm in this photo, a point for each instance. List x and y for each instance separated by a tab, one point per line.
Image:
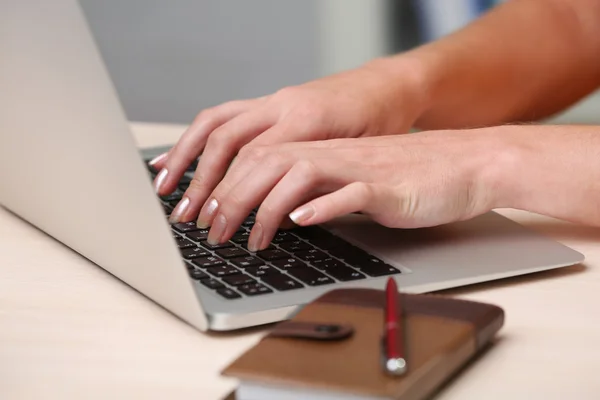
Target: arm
411	181
524	60
550	170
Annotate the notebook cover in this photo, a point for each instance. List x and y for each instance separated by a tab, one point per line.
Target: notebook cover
442	334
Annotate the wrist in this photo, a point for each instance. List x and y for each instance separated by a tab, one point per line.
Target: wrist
501	164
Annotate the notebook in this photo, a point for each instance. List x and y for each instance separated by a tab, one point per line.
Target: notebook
331	349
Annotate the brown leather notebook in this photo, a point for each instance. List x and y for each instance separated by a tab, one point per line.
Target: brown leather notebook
332	348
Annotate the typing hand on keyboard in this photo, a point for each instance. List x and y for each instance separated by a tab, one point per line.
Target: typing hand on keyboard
296	259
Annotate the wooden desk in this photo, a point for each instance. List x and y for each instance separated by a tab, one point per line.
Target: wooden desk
70	330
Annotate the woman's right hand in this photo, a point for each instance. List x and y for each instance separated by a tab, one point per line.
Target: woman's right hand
369	101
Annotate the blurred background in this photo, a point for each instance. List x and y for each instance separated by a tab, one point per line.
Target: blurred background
171	58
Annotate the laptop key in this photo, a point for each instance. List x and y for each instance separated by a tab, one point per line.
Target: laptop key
184	227
283	236
343	273
254	289
310	276
222	270
327	263
232	252
216	246
249	221
212	283
350	254
248	261
183	243
194	252
282	282
176	195
207	262
378	270
295	246
238	280
262	270
198	236
197	274
241	237
311	255
228	293
167	208
288	263
272	254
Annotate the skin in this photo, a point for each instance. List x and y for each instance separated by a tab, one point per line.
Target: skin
337	145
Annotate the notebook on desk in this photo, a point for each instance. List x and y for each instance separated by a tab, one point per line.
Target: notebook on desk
296	362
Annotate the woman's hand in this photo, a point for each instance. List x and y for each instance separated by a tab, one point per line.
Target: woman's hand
368	101
403	181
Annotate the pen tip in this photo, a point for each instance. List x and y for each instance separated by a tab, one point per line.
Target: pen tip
391	284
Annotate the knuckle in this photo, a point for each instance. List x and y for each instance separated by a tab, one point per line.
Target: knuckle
286	93
253	153
233	203
196	185
274	159
308	171
363	190
205	115
218	140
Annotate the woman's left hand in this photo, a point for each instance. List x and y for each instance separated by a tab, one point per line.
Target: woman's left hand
406	181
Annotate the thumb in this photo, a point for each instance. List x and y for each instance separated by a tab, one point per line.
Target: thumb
378	201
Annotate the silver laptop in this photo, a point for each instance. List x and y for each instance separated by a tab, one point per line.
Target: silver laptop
70	167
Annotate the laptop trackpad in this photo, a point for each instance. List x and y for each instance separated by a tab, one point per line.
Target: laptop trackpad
487	241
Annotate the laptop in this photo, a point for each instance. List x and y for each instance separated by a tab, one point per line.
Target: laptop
70	167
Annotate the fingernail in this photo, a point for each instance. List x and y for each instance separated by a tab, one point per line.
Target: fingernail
179	210
160	178
207	213
218	229
302	214
255	238
158	158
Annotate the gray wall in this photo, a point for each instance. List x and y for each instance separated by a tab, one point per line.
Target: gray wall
171	58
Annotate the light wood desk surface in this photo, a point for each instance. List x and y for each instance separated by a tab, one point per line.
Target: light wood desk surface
70	330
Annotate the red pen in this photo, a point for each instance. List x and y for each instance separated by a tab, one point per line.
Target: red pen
393	341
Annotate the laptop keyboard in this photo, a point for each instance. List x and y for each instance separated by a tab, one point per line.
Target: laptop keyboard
297	258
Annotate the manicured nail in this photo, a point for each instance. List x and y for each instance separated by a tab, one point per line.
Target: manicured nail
179	210
207	213
217	230
158	158
160	178
255	238
302	214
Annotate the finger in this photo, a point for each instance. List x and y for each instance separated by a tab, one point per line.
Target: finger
255	150
192	142
237	203
306	180
159	161
380	202
247	159
248	172
221	146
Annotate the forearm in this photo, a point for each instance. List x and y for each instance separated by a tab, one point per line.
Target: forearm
525	60
550	170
